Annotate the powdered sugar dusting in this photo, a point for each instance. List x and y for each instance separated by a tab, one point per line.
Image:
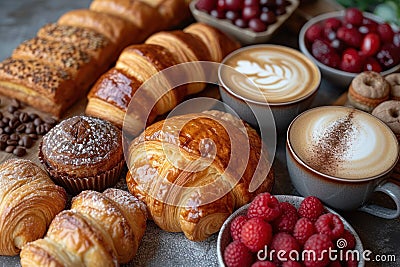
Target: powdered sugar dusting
81	140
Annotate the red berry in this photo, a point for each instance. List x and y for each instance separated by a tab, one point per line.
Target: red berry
351	61
370	44
388	55
372	64
241	23
303	229
268	17
332	23
288	218
206	5
351	261
234	5
257	25
232	15
286	244
217	13
256	234
264	206
354	16
251	3
324	53
311	208
351	36
350	239
320	244
263	264
314	32
236	226
237	255
371	25
221	5
250	12
330	224
386	33
335	264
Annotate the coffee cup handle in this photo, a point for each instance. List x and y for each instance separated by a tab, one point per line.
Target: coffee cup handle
393	191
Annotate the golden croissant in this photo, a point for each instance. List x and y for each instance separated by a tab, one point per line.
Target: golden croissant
29	200
100	228
194	170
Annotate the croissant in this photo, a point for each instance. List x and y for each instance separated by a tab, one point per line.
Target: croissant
29	200
101	228
183	170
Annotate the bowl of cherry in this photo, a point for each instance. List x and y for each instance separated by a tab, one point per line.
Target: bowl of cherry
345	43
249	21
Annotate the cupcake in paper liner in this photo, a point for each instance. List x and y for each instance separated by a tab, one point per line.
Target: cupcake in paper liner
82	153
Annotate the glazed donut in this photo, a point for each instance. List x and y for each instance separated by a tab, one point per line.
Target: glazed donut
367	90
389	113
394	81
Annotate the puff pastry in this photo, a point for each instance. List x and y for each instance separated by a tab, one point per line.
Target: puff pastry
183	170
101	228
29	201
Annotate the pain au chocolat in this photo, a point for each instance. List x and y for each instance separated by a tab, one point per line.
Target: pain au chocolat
183	169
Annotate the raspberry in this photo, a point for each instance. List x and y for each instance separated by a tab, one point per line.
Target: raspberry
237	255
303	229
256	234
236	226
324	53
354	16
351	61
264	206
350	239
290	263
288	218
311	208
263	264
314	32
320	244
351	36
330	224
286	243
386	33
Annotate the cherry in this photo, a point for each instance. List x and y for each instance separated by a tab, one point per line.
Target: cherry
352	37
332	23
234	5
251	3
351	61
386	32
241	23
257	25
370	44
268	17
322	51
221	5
368	26
354	16
250	12
372	64
206	5
388	55
313	33
217	13
232	15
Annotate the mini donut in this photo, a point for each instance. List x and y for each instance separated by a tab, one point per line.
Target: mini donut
394	81
389	113
367	90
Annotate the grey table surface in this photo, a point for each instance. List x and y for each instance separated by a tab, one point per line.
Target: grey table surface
20	20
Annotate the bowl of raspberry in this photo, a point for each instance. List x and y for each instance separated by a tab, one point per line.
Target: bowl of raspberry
345	43
249	21
284	230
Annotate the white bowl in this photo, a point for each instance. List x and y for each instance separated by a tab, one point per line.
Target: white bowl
224	236
245	36
336	76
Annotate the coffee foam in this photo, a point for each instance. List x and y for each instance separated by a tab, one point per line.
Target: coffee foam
275	74
343	142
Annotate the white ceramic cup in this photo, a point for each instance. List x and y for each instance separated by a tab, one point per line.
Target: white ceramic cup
342	155
257	78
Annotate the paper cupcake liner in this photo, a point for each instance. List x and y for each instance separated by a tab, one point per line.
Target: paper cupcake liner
74	185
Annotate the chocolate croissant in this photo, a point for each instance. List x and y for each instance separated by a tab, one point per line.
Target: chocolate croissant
183	169
29	201
101	228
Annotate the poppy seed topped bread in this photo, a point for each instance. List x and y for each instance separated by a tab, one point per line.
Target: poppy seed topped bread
83	153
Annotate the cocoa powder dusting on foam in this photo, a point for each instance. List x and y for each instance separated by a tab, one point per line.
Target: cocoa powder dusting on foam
327	154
